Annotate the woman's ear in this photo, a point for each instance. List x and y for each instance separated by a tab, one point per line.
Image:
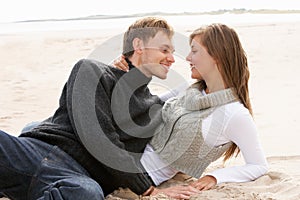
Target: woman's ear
138	45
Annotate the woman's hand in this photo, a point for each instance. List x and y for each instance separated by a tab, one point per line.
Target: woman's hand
177	192
121	63
204	183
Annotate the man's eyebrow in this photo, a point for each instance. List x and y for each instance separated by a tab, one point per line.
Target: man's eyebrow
169	47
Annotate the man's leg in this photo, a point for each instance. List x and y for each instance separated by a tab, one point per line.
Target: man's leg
30	126
61	177
18	161
31	169
76	187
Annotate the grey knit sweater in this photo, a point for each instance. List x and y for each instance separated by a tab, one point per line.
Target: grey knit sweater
179	141
62	130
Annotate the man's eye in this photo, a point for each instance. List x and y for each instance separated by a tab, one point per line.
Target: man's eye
165	50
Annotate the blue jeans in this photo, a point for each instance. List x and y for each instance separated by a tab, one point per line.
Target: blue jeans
30	126
32	169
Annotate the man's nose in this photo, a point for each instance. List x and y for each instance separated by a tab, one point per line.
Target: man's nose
171	58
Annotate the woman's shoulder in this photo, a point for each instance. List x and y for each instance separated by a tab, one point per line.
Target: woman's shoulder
236	108
237	113
234	111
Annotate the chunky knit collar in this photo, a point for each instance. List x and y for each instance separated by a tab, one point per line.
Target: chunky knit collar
196	100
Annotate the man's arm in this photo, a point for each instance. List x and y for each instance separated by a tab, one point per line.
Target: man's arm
91	118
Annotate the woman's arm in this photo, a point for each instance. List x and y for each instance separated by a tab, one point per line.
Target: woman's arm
243	132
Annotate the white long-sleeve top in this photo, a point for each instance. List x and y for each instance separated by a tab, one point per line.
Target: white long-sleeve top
239	128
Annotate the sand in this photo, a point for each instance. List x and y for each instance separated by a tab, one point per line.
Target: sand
282	182
35	65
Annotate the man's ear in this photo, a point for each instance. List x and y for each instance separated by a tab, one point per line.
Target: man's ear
138	45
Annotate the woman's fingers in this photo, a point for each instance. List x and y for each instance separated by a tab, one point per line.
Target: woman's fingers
121	63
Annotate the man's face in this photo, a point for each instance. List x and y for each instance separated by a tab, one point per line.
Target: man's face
157	56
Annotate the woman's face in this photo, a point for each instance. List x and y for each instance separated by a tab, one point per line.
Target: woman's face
201	62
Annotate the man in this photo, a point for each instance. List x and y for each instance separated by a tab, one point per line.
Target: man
56	160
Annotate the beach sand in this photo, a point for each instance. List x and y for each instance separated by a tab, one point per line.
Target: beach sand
35	65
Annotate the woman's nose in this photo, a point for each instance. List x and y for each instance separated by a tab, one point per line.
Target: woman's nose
188	58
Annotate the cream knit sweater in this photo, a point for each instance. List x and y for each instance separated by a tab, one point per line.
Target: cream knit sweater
179	141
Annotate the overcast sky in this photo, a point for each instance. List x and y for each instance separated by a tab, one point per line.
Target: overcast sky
16	10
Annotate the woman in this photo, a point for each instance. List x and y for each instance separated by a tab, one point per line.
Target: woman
213	118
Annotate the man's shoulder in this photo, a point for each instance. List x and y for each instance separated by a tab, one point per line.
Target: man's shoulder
96	65
91	67
89	63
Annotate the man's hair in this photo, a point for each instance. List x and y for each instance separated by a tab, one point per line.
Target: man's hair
144	29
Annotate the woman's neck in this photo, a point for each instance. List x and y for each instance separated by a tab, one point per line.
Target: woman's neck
214	85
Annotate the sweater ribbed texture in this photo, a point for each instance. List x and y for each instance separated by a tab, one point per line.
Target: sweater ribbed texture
179	141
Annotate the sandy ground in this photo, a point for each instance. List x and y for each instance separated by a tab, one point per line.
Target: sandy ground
34	67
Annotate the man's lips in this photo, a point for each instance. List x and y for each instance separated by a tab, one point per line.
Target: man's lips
166	66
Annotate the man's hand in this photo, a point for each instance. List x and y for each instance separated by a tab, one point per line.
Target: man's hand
204	183
177	192
121	63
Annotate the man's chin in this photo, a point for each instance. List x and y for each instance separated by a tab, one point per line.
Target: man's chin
163	76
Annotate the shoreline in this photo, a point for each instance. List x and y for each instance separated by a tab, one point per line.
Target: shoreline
237	11
113	23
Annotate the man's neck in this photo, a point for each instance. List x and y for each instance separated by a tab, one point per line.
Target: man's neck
136	63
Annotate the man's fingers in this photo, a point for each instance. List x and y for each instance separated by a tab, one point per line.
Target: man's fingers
192	189
189	191
183	196
180	192
203	187
193	184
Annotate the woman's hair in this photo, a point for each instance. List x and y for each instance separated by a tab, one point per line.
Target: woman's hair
144	29
223	45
